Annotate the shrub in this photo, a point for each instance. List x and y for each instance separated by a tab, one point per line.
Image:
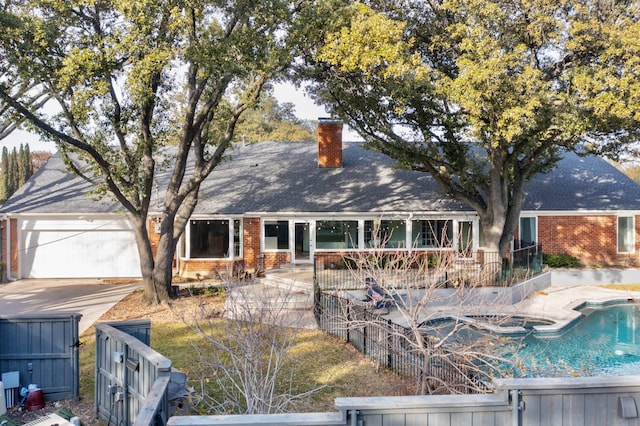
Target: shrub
561	260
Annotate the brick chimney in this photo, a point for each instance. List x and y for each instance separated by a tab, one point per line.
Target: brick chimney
329	142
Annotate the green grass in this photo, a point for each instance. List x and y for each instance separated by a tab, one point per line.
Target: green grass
319	360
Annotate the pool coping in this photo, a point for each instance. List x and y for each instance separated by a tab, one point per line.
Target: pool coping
568	317
558	305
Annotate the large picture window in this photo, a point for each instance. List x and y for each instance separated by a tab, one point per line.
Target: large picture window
432	233
333	234
390	233
209	238
626	232
276	235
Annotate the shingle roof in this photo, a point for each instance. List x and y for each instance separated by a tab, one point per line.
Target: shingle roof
284	177
54	190
582	183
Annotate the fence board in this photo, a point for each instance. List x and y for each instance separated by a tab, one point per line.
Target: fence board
43	348
126	370
140	329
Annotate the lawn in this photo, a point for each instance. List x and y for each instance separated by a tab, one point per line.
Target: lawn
320	360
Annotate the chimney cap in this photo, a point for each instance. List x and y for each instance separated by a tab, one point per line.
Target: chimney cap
329	120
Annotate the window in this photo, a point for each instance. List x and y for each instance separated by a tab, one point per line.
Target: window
432	233
333	234
626	231
528	232
276	235
391	233
209	239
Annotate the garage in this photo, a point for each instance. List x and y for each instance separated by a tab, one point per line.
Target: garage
77	248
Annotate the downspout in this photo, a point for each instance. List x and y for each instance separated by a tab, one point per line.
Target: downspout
8	237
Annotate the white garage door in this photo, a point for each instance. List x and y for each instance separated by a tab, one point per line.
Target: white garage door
91	250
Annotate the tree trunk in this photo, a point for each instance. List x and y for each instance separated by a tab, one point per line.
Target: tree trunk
500	219
156	272
163	270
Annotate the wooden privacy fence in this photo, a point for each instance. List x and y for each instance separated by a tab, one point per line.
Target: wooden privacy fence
131	378
575	401
43	348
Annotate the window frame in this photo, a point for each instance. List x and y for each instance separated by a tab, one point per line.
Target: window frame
231	247
263	233
443	227
535	225
350	244
631	231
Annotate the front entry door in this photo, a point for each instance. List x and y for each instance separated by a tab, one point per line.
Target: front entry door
303	243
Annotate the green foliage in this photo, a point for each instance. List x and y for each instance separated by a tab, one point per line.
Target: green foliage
127	78
483	96
15	169
562	260
271	121
209	291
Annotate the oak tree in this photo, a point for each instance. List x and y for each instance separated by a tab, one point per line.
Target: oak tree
483	95
127	78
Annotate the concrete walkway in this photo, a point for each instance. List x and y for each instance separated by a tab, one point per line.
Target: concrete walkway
89	297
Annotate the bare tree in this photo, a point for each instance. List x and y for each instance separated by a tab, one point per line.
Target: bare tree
247	358
428	315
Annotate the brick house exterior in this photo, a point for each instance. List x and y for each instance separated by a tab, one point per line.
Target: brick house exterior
276	203
592	239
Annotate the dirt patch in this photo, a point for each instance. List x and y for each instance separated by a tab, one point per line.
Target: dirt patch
186	305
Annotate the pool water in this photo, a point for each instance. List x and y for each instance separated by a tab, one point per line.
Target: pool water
605	342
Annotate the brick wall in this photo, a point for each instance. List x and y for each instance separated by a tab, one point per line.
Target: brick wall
329	143
154	236
207	268
251	241
273	260
592	239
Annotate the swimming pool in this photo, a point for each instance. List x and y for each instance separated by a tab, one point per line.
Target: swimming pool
605	342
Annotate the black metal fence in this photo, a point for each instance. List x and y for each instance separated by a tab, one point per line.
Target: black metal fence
446	269
390	346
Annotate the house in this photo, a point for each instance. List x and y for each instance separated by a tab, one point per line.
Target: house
276	203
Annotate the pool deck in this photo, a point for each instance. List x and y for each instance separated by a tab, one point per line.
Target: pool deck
554	303
559	304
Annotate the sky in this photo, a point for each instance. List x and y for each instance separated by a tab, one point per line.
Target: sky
305	109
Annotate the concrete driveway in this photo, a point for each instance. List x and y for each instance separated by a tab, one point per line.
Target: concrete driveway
89	297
